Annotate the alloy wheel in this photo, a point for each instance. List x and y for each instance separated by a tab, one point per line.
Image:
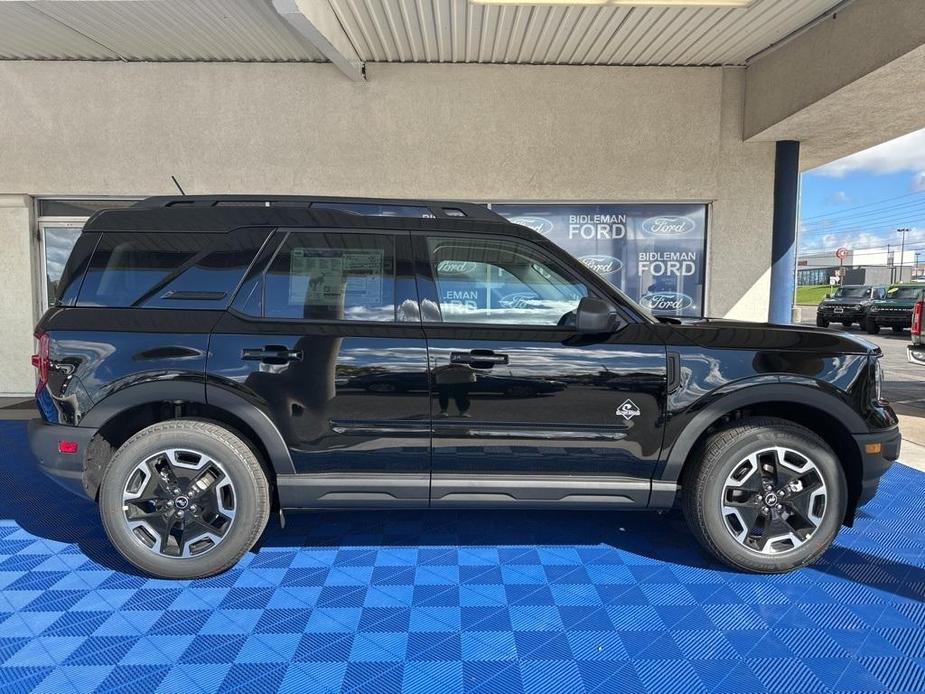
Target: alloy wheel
179	503
774	500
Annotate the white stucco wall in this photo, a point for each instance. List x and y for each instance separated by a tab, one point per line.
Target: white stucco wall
17	305
479	132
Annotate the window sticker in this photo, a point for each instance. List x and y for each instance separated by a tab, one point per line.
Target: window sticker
324	277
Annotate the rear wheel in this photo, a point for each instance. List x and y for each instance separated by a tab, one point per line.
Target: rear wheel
821	322
184	499
898	328
870	325
767	496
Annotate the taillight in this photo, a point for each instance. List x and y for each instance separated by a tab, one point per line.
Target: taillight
917	317
40	360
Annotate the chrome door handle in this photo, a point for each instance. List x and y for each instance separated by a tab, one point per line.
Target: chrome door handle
271	354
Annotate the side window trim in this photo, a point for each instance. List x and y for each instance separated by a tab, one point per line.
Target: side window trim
429	293
403	268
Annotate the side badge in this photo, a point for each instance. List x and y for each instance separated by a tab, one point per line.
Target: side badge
628	410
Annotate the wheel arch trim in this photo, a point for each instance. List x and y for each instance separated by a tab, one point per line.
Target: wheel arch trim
196	392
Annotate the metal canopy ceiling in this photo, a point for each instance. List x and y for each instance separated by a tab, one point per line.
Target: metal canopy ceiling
154	30
457	31
400	31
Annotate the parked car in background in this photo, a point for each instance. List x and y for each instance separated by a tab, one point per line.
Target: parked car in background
894	310
847	305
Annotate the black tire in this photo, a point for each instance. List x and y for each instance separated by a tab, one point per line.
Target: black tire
870	325
251	496
898	329
821	322
847	324
703	486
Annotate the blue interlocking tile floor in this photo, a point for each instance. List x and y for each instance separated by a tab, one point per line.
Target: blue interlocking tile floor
448	601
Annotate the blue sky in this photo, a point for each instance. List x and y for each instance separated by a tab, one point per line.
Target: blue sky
859	201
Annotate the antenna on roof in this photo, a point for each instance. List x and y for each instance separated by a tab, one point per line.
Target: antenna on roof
177	184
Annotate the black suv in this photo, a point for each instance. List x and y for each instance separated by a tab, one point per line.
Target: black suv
848	305
208	360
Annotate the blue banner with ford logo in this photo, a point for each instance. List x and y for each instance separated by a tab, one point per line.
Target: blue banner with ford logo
655	253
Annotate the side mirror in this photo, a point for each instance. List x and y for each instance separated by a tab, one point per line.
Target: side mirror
595	316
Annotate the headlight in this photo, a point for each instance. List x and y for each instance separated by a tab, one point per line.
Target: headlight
874	309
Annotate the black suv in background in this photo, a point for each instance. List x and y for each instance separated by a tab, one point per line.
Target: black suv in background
847	305
894	310
209	359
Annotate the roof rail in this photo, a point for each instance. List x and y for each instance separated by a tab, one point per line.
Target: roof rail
361	206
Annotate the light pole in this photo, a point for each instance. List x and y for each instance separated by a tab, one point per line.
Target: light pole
889	261
902	250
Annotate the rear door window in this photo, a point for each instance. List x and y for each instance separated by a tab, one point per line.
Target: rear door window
169	270
320	275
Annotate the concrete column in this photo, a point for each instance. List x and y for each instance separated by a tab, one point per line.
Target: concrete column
783	243
738	273
17	302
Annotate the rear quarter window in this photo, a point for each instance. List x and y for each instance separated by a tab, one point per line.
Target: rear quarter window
169	270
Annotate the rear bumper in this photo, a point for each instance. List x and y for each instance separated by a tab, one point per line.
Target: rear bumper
875	464
67	469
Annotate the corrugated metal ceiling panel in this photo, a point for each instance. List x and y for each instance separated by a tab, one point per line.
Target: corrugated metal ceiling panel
166	30
26	33
457	31
401	31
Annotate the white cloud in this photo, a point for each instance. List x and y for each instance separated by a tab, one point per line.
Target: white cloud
838	198
906	153
918	182
858	240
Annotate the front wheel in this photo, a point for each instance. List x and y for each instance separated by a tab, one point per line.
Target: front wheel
766	496
184	499
870	325
821	322
898	328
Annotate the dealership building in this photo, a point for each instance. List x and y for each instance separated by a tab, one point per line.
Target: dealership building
660	141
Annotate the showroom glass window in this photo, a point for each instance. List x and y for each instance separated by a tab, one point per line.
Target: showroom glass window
59	225
654	253
319	275
501	282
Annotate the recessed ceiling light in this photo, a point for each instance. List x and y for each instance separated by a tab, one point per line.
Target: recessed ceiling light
642	3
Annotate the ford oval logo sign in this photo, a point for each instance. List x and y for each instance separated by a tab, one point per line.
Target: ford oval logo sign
668	226
602	264
455	267
666	301
518	300
540	225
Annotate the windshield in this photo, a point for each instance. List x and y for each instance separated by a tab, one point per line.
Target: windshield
903	292
851	293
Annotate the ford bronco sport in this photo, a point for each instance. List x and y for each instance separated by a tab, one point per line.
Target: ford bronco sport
210	359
